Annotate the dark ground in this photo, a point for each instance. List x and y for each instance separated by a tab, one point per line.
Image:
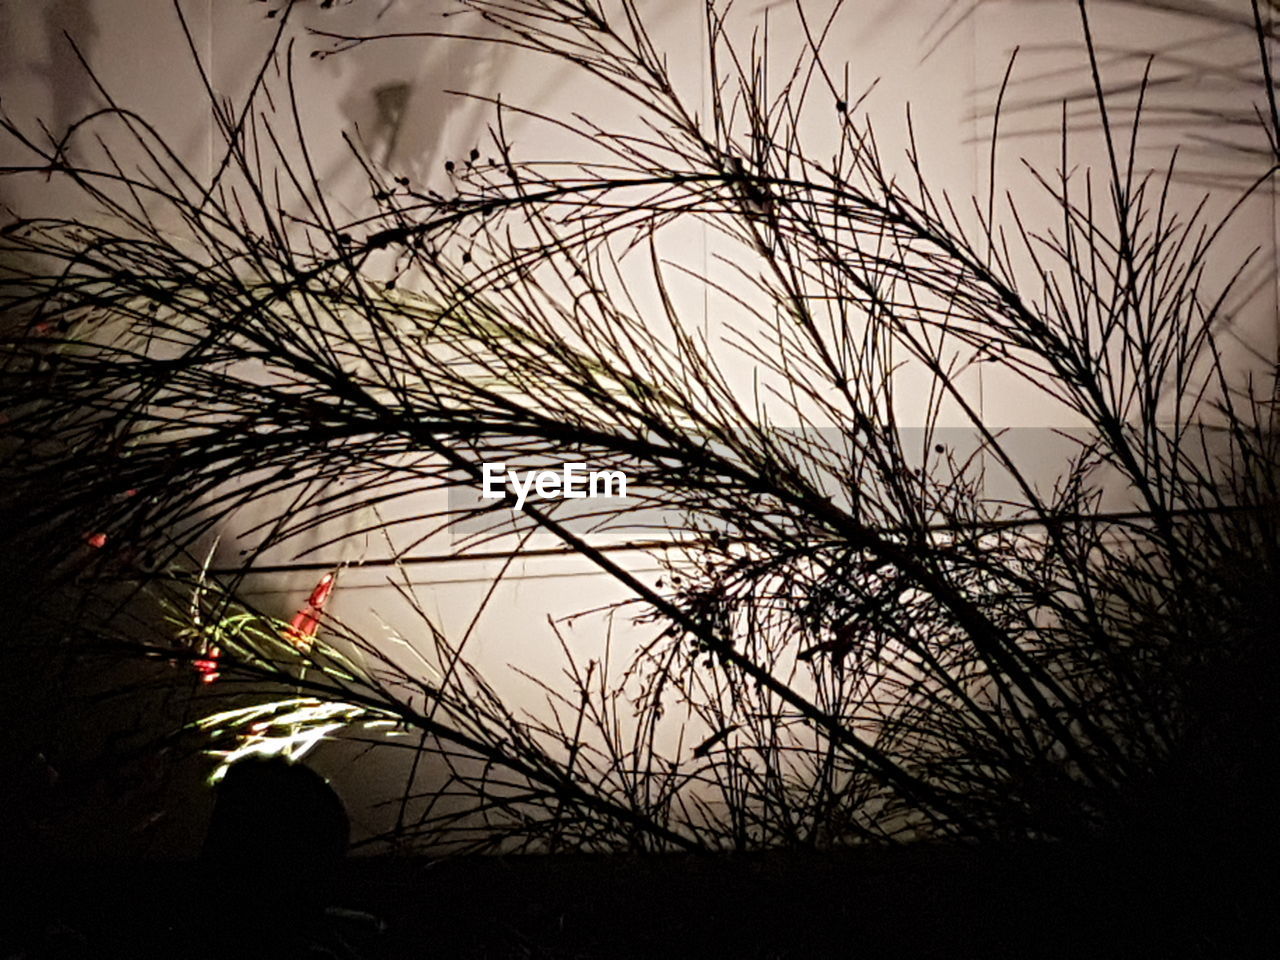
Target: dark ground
1053	901
1200	878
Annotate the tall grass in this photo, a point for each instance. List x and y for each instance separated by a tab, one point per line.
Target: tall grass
855	642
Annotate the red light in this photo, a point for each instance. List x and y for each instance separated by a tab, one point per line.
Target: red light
320	595
302	629
208	669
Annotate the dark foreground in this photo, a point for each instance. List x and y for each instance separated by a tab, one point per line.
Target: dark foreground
915	902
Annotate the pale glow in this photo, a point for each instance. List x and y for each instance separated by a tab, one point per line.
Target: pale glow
289	728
